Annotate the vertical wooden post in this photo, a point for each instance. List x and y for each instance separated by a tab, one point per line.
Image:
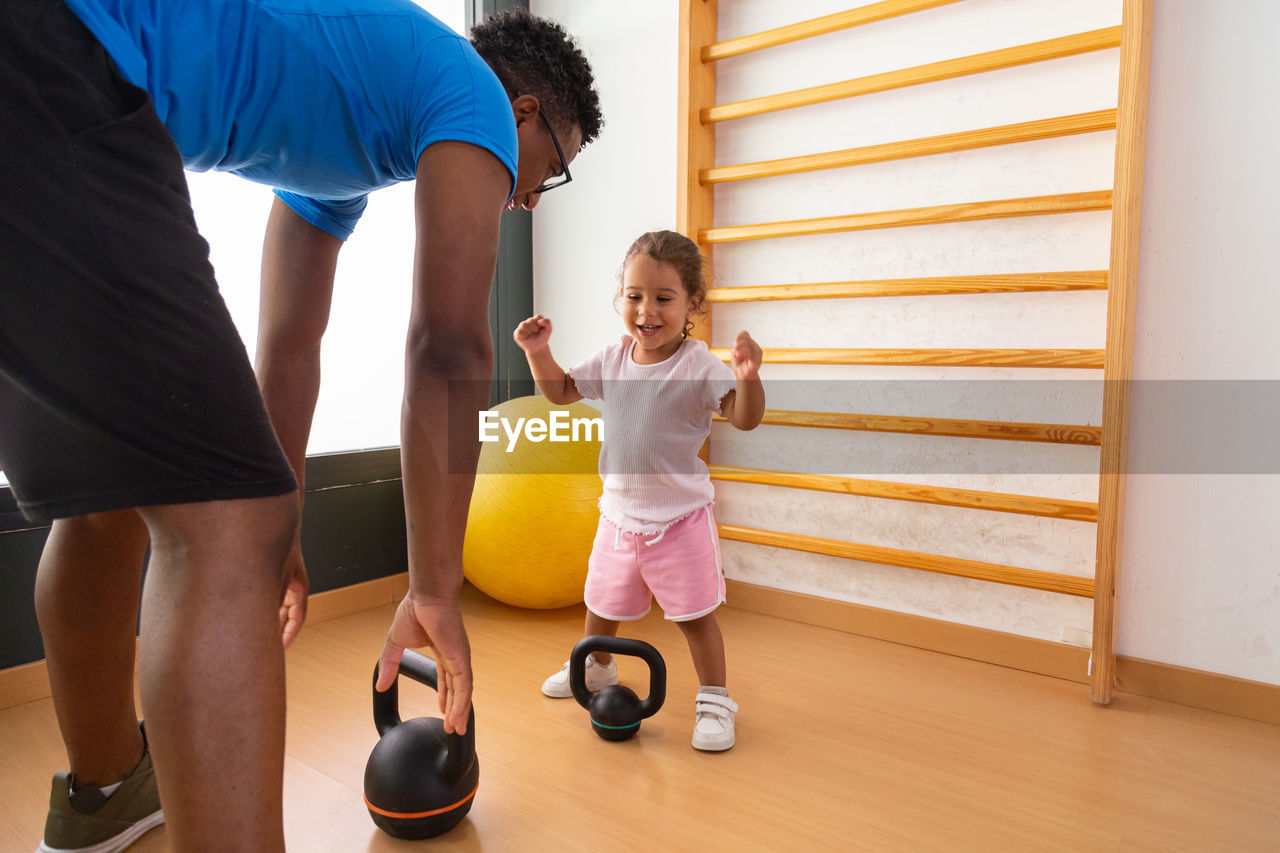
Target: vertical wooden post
696	142
695	202
1131	133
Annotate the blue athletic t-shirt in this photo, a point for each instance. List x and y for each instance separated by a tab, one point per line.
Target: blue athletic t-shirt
325	100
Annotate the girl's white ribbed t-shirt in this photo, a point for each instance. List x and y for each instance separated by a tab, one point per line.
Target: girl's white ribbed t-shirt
656	417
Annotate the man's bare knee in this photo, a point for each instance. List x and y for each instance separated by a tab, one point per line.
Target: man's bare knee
264	527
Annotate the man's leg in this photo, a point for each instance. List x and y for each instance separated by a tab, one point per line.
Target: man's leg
212	669
87	593
147	400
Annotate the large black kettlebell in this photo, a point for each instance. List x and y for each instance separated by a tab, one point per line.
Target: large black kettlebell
616	711
419	781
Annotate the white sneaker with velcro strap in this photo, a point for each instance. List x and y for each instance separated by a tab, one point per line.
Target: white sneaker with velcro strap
713	730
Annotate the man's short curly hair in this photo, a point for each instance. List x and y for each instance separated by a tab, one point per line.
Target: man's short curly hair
537	57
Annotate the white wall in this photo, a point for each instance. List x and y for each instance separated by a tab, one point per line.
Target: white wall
1201	586
1201	576
623	183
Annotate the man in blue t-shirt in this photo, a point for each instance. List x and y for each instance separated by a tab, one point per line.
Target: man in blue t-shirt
131	413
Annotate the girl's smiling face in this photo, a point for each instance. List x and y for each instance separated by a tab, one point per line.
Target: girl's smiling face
655	307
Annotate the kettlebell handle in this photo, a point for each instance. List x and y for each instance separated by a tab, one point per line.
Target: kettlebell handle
386	709
620	646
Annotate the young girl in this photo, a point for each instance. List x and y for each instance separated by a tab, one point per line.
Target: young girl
657	536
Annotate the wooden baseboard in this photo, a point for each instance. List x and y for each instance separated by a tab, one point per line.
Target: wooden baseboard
22	684
1225	694
337	603
1252	700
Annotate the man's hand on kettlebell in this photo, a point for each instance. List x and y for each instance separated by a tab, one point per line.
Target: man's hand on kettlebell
435	625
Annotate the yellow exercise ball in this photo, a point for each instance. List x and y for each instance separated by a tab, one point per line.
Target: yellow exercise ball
534	509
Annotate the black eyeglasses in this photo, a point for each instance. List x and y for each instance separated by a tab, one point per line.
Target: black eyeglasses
564	177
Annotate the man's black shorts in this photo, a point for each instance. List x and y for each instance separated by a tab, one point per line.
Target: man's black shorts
123	381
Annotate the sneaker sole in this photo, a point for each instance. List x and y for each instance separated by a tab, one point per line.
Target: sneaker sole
713	746
116	843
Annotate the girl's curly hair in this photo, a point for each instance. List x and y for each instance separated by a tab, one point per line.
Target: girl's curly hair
682	255
536	56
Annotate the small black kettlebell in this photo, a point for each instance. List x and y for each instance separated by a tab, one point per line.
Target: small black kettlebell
616	711
419	781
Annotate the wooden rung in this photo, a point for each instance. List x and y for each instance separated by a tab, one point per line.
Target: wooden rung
955	428
967	498
994	60
1010	283
1071	358
994	572
936	215
817	27
985	137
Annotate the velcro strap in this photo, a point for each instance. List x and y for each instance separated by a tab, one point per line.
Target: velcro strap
716	699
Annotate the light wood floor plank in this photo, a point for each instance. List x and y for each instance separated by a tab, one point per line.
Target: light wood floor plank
844	743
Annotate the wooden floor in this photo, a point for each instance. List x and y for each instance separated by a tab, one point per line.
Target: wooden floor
844	743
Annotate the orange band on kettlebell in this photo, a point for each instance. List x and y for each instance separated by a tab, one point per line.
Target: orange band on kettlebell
412	815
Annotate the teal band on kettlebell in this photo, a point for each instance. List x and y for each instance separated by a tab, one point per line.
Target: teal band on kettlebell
627	726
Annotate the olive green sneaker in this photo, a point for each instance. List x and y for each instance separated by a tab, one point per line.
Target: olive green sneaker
85	821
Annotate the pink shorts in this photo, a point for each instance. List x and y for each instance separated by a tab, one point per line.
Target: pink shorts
680	567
